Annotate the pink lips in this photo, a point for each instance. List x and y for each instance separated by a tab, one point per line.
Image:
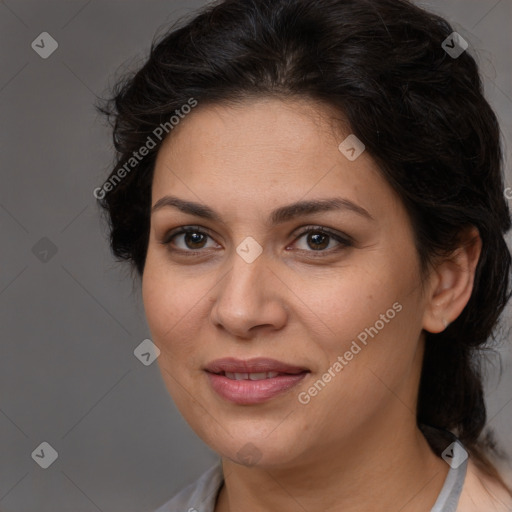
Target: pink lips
247	391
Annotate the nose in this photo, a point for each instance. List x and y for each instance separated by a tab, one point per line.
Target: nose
249	299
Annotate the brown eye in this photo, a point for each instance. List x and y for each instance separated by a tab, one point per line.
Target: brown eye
189	239
318	239
194	240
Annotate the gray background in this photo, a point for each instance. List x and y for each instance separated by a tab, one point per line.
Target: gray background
69	325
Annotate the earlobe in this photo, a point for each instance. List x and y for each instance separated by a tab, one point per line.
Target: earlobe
451	283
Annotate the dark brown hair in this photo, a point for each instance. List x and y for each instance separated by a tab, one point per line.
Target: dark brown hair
420	112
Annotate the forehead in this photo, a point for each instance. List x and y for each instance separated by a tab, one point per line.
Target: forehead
285	130
265	149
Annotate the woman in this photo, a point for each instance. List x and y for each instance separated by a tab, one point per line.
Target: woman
312	194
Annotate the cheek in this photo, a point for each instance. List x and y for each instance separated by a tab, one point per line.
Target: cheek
369	314
350	299
369	349
171	305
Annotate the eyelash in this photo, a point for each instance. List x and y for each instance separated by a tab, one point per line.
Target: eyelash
344	241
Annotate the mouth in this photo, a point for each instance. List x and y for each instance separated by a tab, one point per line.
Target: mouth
252	381
255	366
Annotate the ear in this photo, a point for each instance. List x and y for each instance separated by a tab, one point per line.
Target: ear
451	283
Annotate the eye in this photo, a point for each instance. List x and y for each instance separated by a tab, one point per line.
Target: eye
193	239
318	239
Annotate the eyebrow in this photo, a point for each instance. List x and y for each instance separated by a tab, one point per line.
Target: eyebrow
278	216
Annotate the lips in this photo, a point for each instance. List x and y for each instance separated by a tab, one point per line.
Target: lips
252	381
230	365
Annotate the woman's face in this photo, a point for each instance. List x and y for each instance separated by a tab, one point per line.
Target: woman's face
343	303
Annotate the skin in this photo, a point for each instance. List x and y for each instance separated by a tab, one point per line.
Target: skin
355	446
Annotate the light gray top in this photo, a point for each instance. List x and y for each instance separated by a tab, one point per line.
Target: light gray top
201	495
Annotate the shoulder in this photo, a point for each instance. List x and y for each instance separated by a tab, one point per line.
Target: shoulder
481	493
199	496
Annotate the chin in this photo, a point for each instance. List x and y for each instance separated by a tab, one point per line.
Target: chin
250	448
